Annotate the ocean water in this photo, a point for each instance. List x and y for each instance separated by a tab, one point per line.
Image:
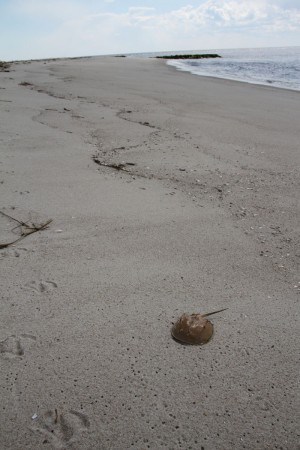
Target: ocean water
278	67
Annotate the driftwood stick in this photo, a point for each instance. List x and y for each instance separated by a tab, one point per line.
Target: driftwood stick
30	229
12	242
10	217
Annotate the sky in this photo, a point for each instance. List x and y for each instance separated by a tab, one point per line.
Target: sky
32	29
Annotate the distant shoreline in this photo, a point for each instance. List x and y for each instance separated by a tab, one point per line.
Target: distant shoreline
187	61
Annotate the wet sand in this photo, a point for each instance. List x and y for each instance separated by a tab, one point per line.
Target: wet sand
202	215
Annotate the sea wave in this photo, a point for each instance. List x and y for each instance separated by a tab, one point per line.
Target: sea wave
278	67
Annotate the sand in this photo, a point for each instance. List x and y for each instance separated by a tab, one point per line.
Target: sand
205	216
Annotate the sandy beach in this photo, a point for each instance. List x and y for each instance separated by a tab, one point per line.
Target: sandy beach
168	193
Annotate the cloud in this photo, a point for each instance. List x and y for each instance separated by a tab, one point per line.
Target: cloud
216	15
237	14
80	29
144	29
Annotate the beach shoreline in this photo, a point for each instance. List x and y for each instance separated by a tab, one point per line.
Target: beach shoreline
202	75
169	193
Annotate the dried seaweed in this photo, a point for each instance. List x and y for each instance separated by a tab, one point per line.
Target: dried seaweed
120	166
4	66
26	229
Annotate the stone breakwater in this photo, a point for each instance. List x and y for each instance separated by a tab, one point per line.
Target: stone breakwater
196	56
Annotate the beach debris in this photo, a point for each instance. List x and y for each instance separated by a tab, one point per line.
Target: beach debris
4	66
34	416
147	124
25	83
120	166
113	166
27	228
194	329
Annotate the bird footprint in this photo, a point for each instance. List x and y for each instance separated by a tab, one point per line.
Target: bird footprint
62	429
41	286
12	346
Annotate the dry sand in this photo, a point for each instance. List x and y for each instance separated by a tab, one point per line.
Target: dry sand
207	218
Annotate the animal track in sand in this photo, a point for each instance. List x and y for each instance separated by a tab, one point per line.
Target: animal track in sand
12	252
41	286
12	347
62	429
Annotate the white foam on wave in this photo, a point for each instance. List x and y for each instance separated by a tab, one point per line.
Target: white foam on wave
278	67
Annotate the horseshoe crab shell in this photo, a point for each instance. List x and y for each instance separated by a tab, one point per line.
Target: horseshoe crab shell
193	329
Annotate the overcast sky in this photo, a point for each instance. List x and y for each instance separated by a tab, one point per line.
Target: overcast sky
54	28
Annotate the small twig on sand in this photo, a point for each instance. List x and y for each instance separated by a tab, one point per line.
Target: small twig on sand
28	229
10	217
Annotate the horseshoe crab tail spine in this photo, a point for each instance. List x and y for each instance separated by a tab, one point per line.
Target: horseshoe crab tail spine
214	312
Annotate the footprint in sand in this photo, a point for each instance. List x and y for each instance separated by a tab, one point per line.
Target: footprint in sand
14	347
41	286
62	429
11	347
12	252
